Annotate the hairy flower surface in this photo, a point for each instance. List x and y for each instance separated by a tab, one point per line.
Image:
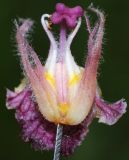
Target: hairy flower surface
61	92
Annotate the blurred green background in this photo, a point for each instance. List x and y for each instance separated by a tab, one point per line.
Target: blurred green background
102	142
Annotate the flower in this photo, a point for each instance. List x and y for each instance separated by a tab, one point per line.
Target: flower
61	92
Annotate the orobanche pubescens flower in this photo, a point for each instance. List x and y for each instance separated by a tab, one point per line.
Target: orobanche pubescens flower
61	92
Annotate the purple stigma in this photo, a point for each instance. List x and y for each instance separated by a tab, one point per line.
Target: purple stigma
66	16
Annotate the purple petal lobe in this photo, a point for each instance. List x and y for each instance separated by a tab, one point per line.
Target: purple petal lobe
65	15
74	135
110	113
40	132
14	99
22	102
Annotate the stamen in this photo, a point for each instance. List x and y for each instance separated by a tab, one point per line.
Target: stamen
50	63
72	67
46	26
74	32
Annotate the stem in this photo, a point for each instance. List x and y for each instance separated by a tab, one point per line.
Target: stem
59	133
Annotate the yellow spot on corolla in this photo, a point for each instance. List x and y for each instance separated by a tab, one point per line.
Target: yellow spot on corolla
49	77
75	78
64	108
